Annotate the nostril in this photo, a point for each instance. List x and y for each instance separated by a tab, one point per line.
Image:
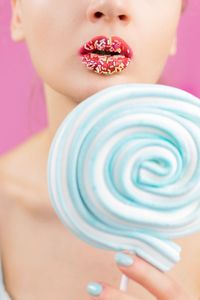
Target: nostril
98	14
123	17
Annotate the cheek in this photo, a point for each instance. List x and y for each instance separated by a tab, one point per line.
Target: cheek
154	48
47	34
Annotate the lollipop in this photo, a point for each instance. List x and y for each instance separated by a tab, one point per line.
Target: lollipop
123	170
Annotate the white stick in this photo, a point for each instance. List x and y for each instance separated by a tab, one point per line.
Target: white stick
124	283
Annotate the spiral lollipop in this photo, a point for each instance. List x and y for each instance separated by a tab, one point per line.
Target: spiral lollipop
123	170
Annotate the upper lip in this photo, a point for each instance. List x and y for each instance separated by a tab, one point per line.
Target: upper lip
102	43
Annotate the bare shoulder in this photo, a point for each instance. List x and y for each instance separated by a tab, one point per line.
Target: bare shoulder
6	181
5	197
4	171
23	182
9	175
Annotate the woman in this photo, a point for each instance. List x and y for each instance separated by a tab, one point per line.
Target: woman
40	258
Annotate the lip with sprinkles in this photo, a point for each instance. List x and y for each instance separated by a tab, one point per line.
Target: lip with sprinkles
106	56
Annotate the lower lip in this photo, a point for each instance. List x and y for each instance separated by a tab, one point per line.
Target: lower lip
105	64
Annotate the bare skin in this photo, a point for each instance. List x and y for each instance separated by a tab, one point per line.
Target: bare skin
41	258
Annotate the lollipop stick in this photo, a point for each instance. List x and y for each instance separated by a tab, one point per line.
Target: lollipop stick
124	283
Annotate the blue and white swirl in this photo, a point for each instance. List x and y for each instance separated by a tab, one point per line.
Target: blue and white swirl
124	170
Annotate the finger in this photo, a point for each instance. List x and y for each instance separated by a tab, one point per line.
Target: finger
156	282
107	292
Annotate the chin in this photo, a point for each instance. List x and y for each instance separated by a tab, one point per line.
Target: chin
95	83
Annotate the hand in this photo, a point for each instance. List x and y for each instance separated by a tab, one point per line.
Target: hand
159	284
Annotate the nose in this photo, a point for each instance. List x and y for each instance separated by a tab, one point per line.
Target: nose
109	11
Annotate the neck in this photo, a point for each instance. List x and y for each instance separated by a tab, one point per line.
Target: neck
58	107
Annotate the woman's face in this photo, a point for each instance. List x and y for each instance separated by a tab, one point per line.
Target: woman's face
55	30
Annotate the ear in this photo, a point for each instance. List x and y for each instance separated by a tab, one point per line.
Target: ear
17	33
173	48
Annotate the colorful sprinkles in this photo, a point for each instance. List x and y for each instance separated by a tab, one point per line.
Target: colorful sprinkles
106	64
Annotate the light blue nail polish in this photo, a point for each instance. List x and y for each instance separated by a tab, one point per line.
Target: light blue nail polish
94	289
123	259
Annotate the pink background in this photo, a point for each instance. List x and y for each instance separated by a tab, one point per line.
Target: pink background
22	107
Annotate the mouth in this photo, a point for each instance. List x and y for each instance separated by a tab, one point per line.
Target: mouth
106	56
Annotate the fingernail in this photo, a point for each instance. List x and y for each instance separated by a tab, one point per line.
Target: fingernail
123	259
94	289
